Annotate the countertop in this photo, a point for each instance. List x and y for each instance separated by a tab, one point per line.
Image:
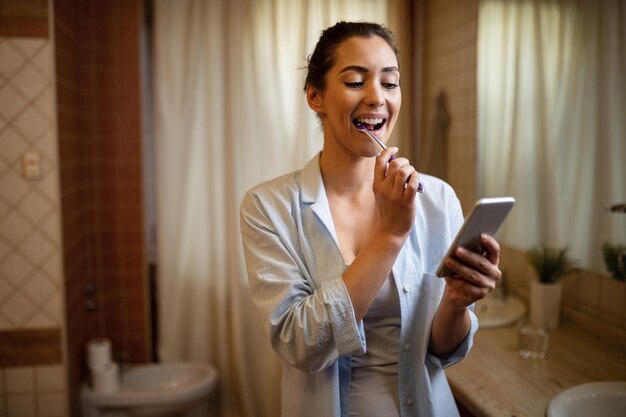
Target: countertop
495	381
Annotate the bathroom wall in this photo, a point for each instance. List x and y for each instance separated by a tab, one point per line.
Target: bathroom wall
72	258
32	370
99	123
448	61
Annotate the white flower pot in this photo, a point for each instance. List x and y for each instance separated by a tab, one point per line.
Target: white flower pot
545	304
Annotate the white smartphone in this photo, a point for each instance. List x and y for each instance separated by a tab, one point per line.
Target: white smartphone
486	216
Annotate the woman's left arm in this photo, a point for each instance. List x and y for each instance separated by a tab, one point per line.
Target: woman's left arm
476	276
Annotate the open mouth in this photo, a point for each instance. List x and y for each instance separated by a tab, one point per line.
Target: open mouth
371	124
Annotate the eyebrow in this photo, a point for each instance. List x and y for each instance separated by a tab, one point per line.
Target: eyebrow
358	68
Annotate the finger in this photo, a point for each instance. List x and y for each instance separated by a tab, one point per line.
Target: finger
401	170
380	167
472	275
402	177
412	185
382	162
463	293
475	260
492	248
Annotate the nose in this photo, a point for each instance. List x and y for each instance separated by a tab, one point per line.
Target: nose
374	96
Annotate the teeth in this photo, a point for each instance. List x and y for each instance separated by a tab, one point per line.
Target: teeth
370	121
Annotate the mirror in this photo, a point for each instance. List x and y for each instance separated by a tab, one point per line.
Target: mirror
551	126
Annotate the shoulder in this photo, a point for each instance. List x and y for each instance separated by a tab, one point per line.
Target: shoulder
276	192
288	190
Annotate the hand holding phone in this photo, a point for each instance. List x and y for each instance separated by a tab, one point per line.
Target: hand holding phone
486	216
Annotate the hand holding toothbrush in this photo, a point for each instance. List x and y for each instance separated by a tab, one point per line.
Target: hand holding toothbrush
362	128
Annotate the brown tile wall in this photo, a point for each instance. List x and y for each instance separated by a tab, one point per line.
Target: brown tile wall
98	87
30	347
448	62
24	18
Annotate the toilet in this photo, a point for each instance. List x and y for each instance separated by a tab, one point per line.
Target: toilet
155	390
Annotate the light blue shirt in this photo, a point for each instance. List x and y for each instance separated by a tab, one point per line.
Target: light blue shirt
295	271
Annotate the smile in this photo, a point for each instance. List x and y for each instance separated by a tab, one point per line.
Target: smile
371	124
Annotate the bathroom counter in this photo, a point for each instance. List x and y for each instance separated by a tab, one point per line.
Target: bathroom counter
495	381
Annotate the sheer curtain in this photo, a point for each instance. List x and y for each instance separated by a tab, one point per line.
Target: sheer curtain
552	120
229	112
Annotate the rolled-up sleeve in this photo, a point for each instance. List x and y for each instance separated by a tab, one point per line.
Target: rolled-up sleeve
461	351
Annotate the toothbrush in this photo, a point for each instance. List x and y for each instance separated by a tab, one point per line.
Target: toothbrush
420	187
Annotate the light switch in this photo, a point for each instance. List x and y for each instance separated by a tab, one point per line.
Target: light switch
31	165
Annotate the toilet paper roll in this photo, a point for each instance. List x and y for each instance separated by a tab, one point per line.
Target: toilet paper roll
106	379
98	353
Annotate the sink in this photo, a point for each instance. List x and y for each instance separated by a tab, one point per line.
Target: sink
606	399
493	312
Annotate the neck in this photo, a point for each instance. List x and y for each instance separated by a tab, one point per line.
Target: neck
346	174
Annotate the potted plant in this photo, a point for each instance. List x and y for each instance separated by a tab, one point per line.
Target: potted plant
615	260
550	264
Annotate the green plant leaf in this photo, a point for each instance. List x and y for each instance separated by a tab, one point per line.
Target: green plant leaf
549	263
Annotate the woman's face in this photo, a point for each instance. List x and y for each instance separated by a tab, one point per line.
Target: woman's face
363	86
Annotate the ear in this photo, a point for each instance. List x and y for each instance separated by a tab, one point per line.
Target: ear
314	98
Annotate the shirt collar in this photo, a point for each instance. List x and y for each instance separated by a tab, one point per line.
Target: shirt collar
312	184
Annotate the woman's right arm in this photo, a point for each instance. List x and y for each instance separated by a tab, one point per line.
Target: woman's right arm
309	328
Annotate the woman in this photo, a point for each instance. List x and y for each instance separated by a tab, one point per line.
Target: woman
341	255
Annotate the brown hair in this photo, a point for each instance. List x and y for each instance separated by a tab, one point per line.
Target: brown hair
322	59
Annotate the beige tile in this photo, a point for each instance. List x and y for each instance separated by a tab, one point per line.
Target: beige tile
30	82
11	101
6	290
15	227
49	185
29	46
12	186
50	378
53	268
31	123
38	288
18	309
37	247
42	60
47	145
35	207
20	380
52	404
21	405
40	320
54	308
11	58
16	268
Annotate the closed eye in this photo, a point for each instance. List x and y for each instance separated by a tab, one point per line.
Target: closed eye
390	86
355	85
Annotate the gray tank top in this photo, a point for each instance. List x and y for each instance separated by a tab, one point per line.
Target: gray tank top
374	381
